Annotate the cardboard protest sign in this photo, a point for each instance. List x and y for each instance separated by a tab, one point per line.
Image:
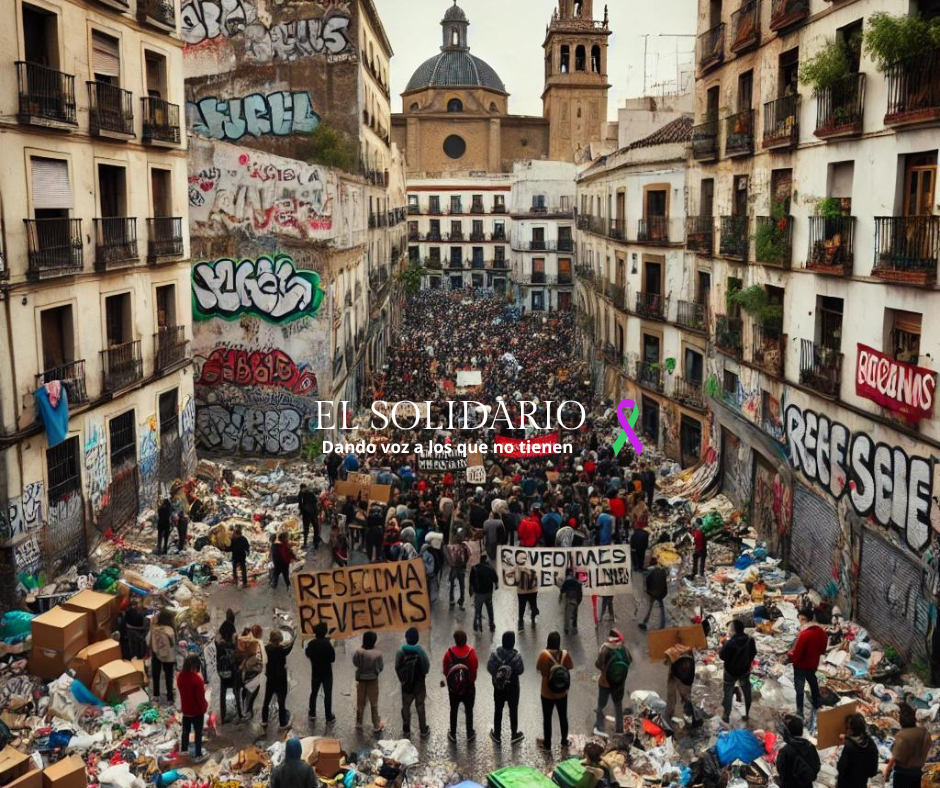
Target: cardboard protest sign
830	724
386	597
601	570
363	491
661	640
441	463
469	378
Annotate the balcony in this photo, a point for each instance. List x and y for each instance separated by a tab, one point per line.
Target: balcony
170	347
711	47
739	134
501	208
477	235
536	246
456	262
72	378
650	375
110	111
728	335
54	247
768	348
499	235
414	235
733	241
782	122
435	210
161	122
565	279
432	264
831	245
705	141
745	27
906	249
477	207
700	234
477	263
651	305
690	393
536	278
840	108
785	14
773	241
609	354
653	230
47	97
617	229
157	13
692	316
820	368
455	237
913	90
618	296
584	272
115	242
566	244
414	210
434	235
164	239
122	366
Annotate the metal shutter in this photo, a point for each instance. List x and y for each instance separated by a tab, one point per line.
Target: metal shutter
51	187
105	55
813	539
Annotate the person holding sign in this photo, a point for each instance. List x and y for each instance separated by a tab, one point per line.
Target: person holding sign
555	666
460	677
613	662
369	665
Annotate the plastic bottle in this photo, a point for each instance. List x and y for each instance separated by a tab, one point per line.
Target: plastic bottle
167	778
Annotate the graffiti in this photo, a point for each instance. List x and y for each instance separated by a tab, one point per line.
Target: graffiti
203	181
27	555
24	513
248	430
772	505
735	467
96	467
65	535
271	289
149	462
881	480
188	435
279	113
202	19
772	418
259	368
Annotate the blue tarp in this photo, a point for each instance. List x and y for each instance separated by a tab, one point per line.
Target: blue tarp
55	420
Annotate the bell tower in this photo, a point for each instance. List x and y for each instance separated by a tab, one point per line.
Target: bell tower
574	100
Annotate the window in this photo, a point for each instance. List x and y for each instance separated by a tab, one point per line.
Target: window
714	13
707	197
168	408
620	341
105	58
477	256
52	191
579	58
851	37
841	176
650	411
455	105
538	270
434	234
499	255
454	146
414	254
920	178
494	110
655	203
596	59
538	301
499	230
477	230
538	238
58	336
161	193
904	335
40	38
565	59
122	442
829	322
729	384
539	203
456	230
456	256
739	197
578	7
434	254
694	366
564	271
112	191
690	440
650	349
456	206
435	204
652	278
476	204
413	230
118	319
413	202
703	285
414	108
745	90
499	203
788	73
166	306
711	104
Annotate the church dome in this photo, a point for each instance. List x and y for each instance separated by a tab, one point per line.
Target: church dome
455	14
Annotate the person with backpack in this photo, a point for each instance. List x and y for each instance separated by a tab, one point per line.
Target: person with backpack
162	642
412	666
483	582
432	555
738	654
460	676
613	662
505	665
528	579
798	761
555	666
810	645
375	534
657	586
275	677
858	762
571	595
226	663
639	544
322	655
457	554
681	677
369	665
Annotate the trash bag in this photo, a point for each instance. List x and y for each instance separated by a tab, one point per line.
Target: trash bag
738	745
705	771
15	624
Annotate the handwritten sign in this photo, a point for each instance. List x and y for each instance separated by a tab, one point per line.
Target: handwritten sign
386	597
601	570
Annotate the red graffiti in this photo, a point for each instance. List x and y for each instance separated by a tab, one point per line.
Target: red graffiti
273	368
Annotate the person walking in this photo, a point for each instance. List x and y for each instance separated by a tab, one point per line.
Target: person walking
226	664
460	676
307	504
527	579
412	666
182	521
798	761
483	582
162	642
457	554
375	533
322	655
240	548
505	665
555	666
294	771
333	462
738	655
193	705
699	548
164	526
494	535
858	762
613	662
679	681
657	586
909	753
639	543
275	677
571	595
810	645
530	529
283	556
369	666
648	480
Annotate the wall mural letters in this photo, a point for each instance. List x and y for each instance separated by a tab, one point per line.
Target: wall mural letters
248	430
266	368
96	466
279	113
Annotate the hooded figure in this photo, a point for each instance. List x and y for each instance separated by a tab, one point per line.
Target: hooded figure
408	540
294	772
798	762
859	759
505	666
433	557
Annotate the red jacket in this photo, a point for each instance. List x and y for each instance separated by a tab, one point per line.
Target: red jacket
462	652
192	690
530	531
618	507
285	553
810	646
698	537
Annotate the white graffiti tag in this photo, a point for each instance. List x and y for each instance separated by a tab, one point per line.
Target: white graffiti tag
248	430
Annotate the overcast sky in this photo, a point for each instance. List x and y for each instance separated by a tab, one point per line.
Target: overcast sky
508	34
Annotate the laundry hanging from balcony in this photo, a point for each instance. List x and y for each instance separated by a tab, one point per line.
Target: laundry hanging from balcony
52	403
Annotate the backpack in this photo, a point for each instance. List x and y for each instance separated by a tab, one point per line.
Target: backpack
225	660
410	674
457	555
618	665
458	676
559	678
502	678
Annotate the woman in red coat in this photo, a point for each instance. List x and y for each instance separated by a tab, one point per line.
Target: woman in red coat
192	692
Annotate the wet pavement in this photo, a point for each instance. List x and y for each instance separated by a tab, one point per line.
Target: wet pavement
475	760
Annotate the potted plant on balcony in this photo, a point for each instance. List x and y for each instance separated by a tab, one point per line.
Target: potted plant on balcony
772	239
829	251
892	39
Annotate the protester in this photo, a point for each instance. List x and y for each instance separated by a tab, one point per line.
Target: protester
811	644
797	762
322	655
527	578
193	705
275	678
182	521
555	665
909	754
494	535
460	676
571	595
164	526
858	762
648	480
530	529
699	548
483	582
738	655
283	557
412	666
307	504
613	662
505	665
293	771
134	633
657	586
240	548
226	664
369	666
457	554
639	543
162	642
679	680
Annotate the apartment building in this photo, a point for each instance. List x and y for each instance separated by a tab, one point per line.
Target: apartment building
94	273
643	313
814	218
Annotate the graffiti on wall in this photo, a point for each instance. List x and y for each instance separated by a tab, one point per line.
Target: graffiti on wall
96	466
268	288
265	368
248	430
736	460
880	481
188	435
772	505
280	113
27	555
24	512
149	463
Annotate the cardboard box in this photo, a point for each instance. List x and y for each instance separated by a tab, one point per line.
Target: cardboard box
660	640
89	659
118	679
100	610
57	637
32	779
67	773
327	758
18	770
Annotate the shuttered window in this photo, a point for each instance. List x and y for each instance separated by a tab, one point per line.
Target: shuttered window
51	187
105	56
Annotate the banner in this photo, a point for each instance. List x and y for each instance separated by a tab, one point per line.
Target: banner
387	597
900	387
441	463
531	447
601	570
469	378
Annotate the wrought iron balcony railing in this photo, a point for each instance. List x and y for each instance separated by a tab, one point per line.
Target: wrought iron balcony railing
831	244
53	247
110	110
72	378
115	241
45	95
840	108
122	365
820	368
